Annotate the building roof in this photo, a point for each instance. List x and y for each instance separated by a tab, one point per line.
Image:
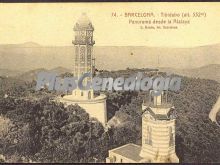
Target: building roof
130	151
84	22
157	116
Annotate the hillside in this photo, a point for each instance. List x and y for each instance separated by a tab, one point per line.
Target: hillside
211	72
32	74
36	119
9	73
205	72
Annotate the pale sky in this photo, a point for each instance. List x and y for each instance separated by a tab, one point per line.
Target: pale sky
52	24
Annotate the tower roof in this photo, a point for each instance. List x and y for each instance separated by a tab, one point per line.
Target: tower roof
84	22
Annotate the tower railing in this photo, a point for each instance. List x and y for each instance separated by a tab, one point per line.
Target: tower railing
162	105
80	41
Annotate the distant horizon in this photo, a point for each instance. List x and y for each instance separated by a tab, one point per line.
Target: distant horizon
209	71
26	69
42	45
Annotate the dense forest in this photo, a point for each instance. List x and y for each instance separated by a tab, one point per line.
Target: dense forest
35	128
218	117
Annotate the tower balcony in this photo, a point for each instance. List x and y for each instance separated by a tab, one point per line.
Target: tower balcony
83	41
80	42
152	105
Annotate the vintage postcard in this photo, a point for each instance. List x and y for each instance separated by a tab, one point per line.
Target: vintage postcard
132	82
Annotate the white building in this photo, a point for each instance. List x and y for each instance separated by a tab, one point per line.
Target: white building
84	63
158	136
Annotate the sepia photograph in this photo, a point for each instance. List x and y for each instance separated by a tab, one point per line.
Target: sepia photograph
125	82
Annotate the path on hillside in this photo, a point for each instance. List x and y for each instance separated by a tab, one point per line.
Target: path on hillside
214	111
